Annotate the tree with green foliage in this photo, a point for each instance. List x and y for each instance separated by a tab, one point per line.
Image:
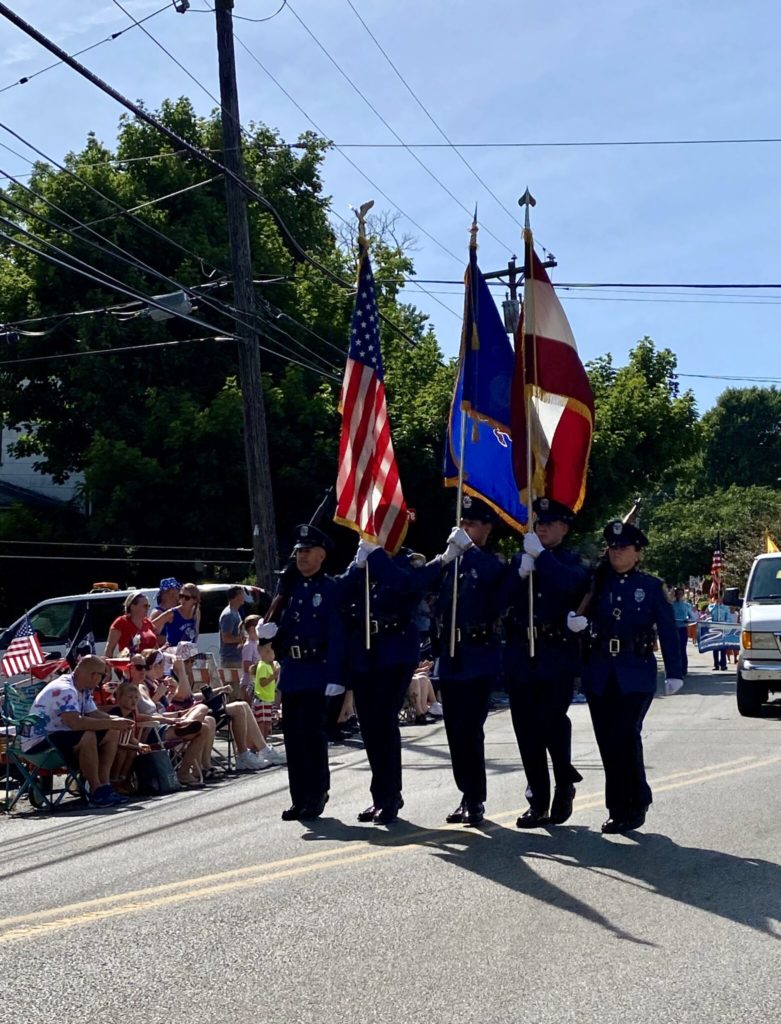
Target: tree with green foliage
684	532
645	428
742	439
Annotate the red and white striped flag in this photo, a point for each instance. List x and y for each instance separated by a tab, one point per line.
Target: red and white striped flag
369	498
716	564
551	388
23	652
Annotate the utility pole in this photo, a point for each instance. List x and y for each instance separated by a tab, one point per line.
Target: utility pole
264	539
511	307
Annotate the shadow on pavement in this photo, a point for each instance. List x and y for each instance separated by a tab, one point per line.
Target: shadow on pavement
744	890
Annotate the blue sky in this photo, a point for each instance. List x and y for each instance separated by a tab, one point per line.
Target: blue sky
602	71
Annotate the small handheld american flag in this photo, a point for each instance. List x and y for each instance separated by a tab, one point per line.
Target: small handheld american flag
23	652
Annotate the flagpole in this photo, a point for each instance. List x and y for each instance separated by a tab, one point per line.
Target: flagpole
461	447
528	200
459	504
363	246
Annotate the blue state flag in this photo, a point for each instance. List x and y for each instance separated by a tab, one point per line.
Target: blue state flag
487	360
482	392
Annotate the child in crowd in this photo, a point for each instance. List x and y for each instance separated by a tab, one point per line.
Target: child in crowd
249	658
265	687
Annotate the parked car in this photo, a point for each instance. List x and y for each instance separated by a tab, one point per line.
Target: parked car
759	660
57	620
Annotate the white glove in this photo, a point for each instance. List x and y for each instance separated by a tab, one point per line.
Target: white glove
365	548
267	630
532	544
576	623
457	543
672	686
526	567
332	690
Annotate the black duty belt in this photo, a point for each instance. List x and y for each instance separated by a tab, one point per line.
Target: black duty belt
299	652
475	634
641	643
544	632
388	624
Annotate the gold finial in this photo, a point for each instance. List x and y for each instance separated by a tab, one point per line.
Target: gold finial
360	213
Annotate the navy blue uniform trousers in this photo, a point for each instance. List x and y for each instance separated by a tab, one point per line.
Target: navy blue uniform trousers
539	707
465	709
306	745
618	724
379	696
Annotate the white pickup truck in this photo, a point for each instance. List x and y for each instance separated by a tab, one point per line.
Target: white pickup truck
759	662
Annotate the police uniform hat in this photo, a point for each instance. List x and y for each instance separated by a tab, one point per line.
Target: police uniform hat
549	511
618	534
311	537
477	510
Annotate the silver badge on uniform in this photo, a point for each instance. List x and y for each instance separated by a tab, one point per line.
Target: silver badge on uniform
544	504
466	501
304	531
618	528
639	595
317	600
473	573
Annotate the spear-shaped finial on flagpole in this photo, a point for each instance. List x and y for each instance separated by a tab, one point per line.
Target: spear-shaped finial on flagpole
527	200
473	231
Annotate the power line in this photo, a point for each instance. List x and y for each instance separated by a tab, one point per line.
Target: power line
555	145
354	165
92	46
110	351
239	17
172	136
123	547
429	115
387	124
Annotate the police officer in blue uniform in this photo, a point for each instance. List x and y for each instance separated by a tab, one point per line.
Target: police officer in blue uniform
380	676
467	678
628	610
541	687
307	644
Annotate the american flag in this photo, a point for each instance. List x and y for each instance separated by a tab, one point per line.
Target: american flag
23	652
717	563
368	491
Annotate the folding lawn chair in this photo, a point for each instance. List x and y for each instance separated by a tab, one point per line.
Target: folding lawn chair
34	772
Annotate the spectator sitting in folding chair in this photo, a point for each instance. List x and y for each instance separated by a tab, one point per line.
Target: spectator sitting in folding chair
252	751
85	737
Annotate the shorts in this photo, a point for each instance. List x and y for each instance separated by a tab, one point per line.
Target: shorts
263	711
64	743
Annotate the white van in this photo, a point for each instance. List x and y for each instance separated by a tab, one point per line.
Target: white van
57	620
759	661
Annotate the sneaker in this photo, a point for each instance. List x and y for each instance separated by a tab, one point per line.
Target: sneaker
104	796
436	709
273	756
247	762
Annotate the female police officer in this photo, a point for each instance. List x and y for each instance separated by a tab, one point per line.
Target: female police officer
628	609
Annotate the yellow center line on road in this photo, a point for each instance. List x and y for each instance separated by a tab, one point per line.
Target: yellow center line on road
62	918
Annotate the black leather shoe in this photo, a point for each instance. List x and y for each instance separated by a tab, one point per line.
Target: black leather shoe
474	814
532	819
561	808
386	815
457	816
633	821
291	814
313	810
368	814
612	826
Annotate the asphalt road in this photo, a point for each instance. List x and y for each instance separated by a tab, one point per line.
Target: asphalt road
206	907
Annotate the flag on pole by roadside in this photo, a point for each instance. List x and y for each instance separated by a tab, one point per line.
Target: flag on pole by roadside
23	652
482	391
552	401
369	498
717	564
770	543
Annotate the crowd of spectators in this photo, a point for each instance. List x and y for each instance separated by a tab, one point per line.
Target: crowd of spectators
153	691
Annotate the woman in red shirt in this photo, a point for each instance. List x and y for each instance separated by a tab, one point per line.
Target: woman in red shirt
133	631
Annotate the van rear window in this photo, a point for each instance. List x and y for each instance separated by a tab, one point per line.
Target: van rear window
52	622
